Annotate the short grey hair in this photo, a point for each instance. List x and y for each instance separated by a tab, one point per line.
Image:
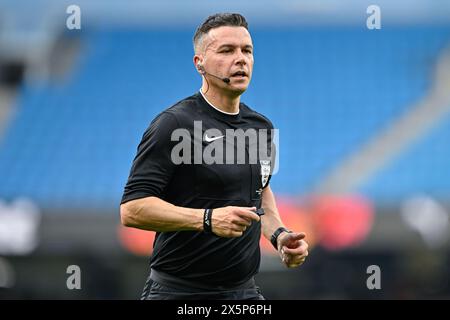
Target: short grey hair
215	21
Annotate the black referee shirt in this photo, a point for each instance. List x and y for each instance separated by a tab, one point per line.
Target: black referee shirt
189	255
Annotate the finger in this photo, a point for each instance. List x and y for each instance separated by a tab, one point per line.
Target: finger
300	250
243	222
294	251
296	236
248	213
293	261
234	234
297	259
239	228
295	244
292	243
295	265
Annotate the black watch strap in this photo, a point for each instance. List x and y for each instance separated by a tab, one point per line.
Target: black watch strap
275	235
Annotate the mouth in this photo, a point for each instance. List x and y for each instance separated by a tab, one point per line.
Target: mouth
239	74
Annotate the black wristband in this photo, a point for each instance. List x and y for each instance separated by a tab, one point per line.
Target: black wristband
207	221
275	235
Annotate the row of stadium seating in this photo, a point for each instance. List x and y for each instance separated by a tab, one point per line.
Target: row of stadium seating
71	143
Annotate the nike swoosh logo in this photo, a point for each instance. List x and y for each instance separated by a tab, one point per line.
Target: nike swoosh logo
208	139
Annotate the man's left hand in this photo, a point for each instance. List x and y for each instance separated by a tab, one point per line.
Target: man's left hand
293	249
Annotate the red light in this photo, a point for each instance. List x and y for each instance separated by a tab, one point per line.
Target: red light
137	241
342	221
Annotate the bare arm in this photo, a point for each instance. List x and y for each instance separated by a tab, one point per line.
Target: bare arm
155	214
271	220
292	249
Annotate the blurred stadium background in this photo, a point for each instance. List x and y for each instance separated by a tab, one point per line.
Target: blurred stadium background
364	119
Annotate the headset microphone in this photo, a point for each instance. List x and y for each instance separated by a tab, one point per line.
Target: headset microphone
203	71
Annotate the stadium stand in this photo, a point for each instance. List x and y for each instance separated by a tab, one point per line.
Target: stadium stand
70	144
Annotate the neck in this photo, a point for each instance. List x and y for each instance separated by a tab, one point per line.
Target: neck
226	103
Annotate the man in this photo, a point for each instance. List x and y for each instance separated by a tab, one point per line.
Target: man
208	215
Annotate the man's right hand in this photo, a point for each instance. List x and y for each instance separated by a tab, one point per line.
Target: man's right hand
231	222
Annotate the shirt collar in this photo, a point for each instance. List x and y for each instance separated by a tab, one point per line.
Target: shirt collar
227	113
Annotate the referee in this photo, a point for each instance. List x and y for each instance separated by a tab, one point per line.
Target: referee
209	215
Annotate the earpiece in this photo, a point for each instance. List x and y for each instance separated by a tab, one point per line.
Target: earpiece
200	68
203	72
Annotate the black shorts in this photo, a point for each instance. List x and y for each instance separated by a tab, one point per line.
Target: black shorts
158	291
155	290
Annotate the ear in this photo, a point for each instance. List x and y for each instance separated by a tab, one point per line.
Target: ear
198	64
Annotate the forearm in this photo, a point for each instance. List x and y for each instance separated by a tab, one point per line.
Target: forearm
154	214
271	220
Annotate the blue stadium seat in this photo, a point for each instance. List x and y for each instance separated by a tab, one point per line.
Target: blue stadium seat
71	144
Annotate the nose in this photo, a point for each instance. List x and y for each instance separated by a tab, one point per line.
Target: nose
241	59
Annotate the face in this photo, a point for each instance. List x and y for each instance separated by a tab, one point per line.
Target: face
227	52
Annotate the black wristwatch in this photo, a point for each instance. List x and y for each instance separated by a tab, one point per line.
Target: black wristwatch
275	235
